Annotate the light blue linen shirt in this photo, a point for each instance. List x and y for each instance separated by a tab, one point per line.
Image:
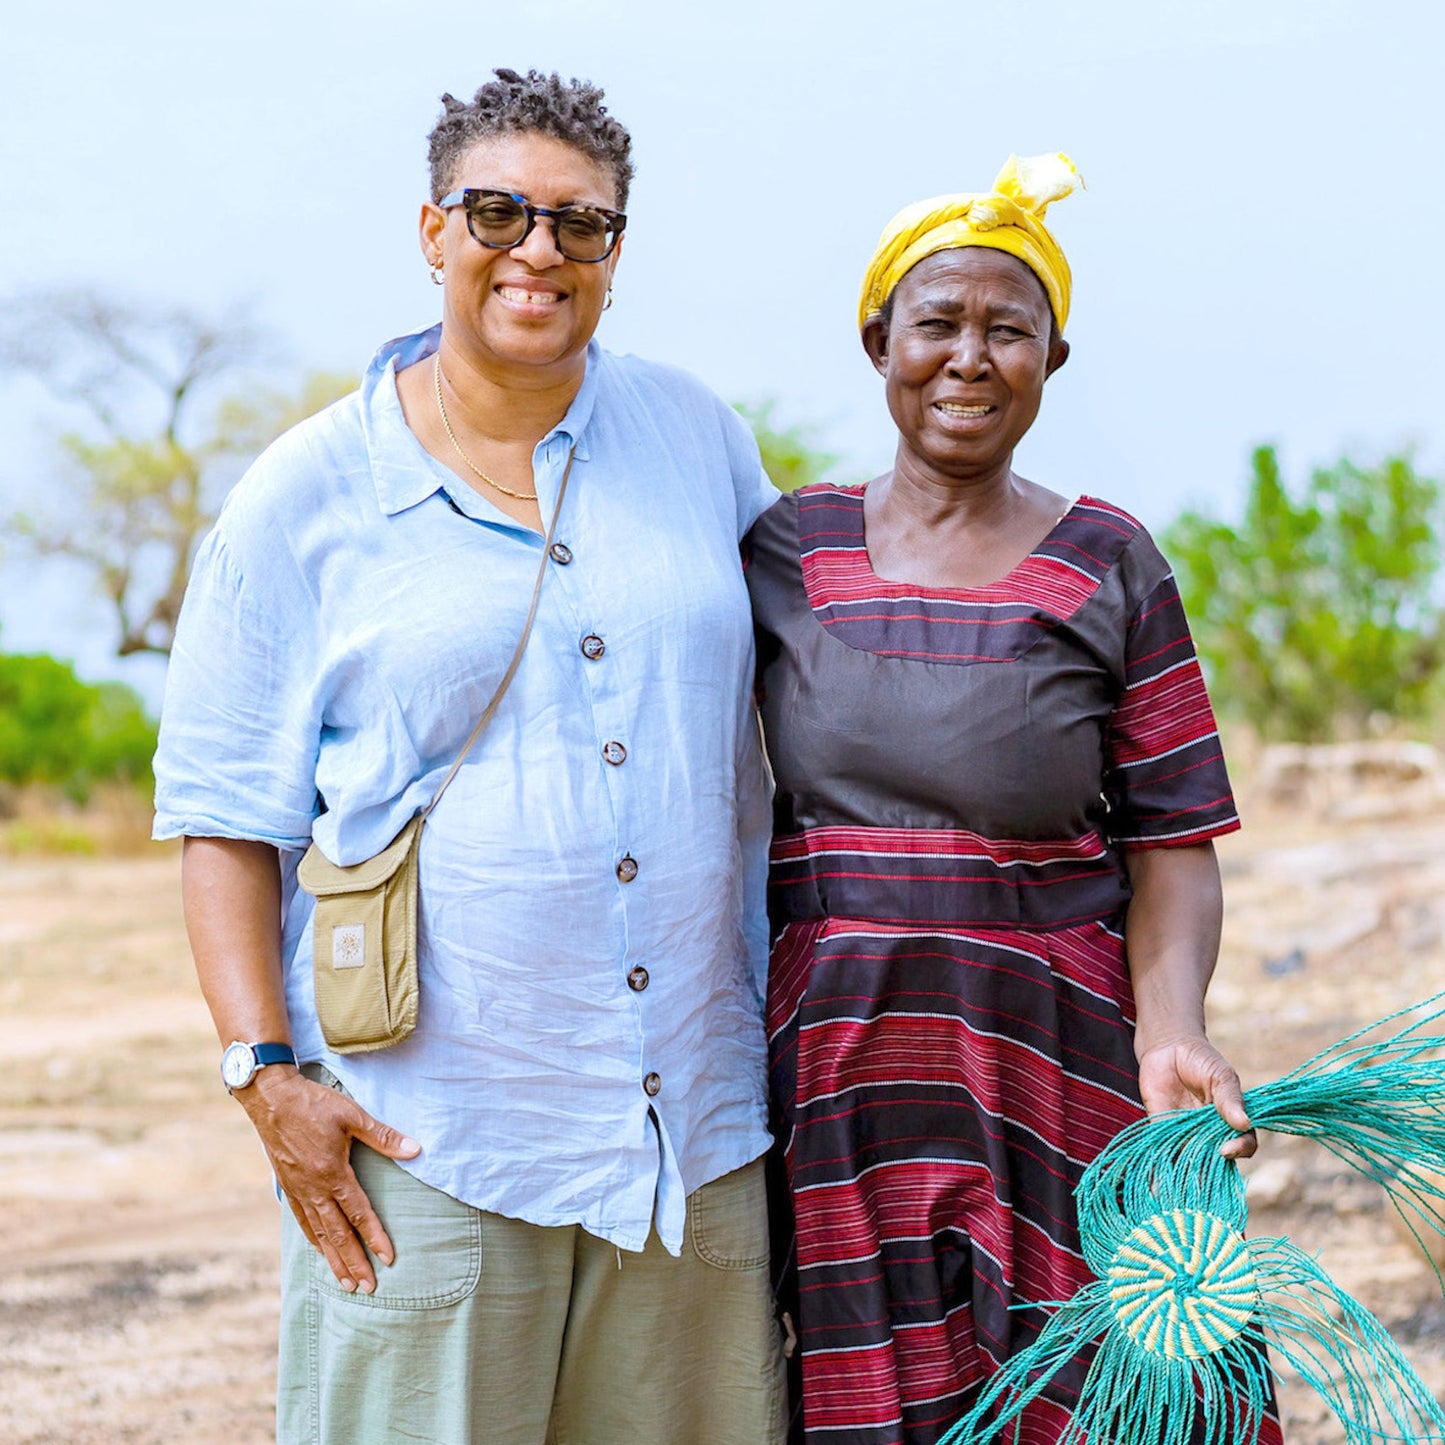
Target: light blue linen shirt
346	623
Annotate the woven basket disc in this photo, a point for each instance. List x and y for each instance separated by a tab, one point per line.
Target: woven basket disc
1182	1284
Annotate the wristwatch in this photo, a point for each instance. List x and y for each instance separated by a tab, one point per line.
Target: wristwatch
241	1062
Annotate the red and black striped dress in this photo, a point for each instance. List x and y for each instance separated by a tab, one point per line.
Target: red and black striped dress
949	1007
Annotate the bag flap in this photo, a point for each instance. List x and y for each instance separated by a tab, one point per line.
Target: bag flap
320	877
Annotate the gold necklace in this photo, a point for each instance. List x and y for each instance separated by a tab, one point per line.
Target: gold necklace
451	437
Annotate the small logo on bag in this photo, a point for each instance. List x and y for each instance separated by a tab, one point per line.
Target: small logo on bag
348	945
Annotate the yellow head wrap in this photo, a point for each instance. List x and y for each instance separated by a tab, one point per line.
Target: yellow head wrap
1009	218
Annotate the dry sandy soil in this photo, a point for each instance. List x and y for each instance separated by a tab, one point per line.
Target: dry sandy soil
138	1288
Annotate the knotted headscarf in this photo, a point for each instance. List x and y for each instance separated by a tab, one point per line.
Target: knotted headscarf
1008	218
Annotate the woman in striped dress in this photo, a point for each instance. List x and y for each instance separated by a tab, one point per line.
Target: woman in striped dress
995	897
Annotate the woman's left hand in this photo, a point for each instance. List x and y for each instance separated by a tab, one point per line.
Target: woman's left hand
1187	1072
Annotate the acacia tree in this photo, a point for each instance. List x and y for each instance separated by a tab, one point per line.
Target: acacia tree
156	445
1317	616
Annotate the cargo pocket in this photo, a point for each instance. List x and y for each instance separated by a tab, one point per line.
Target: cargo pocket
728	1219
437	1239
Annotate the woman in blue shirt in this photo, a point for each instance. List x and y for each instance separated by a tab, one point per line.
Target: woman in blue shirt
541	1215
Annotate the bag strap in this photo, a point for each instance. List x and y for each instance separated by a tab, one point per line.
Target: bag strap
516	661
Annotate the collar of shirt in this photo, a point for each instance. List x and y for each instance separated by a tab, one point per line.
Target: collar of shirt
393	446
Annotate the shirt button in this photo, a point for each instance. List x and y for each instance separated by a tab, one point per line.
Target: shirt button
652	1085
637	981
593	647
561	553
614	753
627	868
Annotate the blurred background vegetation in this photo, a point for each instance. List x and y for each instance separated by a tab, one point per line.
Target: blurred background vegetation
1316	609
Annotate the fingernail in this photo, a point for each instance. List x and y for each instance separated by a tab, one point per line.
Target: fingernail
410	1144
366	1286
385	1258
348	1285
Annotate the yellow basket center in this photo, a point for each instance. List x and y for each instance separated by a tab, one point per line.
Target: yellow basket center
1182	1284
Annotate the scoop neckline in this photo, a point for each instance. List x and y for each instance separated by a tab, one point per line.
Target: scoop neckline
925	589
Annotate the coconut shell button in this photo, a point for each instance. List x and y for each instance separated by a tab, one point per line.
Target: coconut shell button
593	647
637	980
614	753
652	1085
627	869
561	553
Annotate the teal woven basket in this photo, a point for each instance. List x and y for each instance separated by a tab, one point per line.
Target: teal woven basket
1184	1306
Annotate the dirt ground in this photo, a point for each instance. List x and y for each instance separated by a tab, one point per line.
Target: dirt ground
138	1284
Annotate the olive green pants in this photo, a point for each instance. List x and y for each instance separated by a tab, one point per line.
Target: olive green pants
490	1331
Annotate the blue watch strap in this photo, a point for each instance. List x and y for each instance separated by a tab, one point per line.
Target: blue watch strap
273	1054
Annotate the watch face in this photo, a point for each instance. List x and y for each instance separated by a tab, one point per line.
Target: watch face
238	1065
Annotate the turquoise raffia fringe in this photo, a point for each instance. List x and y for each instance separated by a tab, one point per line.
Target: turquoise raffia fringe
1183	1305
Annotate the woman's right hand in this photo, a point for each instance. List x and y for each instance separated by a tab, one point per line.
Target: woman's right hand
306	1129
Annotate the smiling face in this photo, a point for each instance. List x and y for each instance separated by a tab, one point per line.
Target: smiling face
965	352
528	311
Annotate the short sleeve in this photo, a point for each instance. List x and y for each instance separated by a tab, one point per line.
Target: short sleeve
1167	781
240	728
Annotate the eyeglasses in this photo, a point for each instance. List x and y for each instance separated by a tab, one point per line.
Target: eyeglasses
501	220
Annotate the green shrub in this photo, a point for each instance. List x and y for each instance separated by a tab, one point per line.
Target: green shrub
58	730
1316	613
789	455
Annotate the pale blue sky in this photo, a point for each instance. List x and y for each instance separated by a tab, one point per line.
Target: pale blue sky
1255	258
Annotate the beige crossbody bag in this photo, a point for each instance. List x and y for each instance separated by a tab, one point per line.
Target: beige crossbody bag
364	928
